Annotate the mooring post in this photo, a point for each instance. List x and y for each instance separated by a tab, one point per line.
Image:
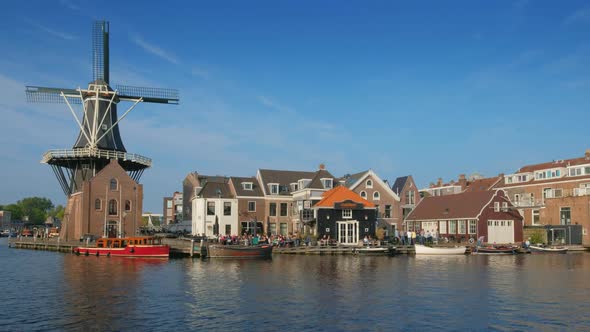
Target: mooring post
192	247
58	244
202	248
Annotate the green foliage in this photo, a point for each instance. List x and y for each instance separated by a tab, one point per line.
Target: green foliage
537	237
16	211
380	233
57	212
36	209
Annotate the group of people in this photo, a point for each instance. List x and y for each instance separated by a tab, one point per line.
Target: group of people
250	239
412	237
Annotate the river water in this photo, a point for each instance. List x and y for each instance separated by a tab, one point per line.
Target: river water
54	291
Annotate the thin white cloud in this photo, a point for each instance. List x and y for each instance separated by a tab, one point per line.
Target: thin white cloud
200	72
579	15
268	102
59	34
155	50
70	5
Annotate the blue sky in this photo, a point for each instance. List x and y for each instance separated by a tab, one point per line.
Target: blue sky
427	88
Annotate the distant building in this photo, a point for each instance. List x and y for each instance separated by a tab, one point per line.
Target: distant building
555	193
168	211
5	220
406	189
468	215
474	182
251	205
215	209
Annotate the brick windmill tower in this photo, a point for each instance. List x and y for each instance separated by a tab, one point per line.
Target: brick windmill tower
98	176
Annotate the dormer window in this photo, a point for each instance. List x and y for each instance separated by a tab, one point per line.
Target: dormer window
274	188
247	185
369	184
294	186
327	183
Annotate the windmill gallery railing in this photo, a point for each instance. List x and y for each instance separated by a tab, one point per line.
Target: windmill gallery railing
98	153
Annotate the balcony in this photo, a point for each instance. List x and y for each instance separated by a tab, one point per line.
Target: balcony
528	203
581	191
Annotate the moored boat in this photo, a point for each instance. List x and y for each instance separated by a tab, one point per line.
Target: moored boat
424	250
376	250
496	250
238	251
144	246
554	250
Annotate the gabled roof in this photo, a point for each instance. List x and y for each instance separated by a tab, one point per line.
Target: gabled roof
341	194
240	191
399	184
316	182
216	187
463	205
376	177
353	178
483	184
283	178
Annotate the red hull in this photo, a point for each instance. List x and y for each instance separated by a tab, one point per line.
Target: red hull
156	251
234	251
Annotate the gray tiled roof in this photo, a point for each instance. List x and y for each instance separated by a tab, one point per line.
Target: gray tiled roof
316	182
216	187
399	184
283	178
256	190
353	178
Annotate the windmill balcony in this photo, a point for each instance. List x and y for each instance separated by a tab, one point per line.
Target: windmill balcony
98	153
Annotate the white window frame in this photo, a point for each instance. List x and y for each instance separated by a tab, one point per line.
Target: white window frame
442	227
249	210
364	194
271	186
533	217
369	183
474	224
376	196
504	206
496	206
462	226
346	214
452	227
325	182
247	185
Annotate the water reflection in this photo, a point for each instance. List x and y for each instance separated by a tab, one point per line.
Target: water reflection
294	293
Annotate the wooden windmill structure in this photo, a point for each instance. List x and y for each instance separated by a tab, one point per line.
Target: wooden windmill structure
98	175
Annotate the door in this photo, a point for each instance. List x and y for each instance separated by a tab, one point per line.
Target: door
112	229
500	231
348	232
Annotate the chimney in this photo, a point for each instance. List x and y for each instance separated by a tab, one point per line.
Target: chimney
587	154
439	183
322	167
462	181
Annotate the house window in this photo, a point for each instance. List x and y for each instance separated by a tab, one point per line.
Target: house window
283	228
272	209
410	198
251	206
227	229
517	199
97	204
283	209
376	196
227	208
369	184
294	187
210	208
364	194
557	192
127	205
247	185
387	211
472	226
496	206
442	226
114	184
462	228
168	204
536	217
347	214
113	207
452	226
565	216
327	183
272	229
504	206
274	188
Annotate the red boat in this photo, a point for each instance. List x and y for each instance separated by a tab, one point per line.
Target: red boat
497	250
237	251
145	246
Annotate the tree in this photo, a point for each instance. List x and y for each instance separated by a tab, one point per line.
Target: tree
16	211
57	212
36	208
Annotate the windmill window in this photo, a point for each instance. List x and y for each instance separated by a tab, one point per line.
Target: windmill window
114	184
127	205
97	204
113	207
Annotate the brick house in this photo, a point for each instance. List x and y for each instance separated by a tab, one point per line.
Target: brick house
108	205
251	203
469	215
407	191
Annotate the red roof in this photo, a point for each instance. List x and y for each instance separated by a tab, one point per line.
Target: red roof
483	184
555	164
341	194
457	206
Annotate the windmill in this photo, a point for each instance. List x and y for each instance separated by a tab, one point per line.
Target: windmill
99	139
99	144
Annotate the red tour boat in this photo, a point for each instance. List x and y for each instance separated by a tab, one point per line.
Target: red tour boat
145	246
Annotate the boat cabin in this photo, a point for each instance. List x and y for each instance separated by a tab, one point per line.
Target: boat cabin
124	242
